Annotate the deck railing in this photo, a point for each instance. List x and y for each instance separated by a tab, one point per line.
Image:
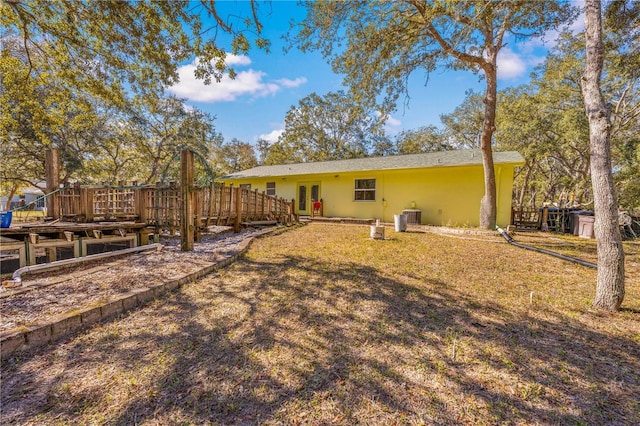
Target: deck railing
161	205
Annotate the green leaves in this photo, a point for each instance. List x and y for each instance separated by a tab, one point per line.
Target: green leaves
331	127
70	71
424	139
235	156
377	45
546	122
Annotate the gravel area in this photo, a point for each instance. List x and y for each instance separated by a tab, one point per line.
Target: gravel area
53	293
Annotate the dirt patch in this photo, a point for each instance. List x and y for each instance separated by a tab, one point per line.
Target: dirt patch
47	295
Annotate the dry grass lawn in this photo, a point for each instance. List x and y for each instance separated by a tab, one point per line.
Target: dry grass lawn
322	325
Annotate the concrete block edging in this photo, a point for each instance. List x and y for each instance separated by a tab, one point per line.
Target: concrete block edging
38	335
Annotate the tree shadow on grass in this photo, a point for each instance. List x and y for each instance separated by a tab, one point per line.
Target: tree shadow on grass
302	340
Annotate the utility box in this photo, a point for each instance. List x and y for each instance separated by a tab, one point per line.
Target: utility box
574	220
414	216
585	226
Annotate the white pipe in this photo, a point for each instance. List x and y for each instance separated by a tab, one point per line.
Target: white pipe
16	279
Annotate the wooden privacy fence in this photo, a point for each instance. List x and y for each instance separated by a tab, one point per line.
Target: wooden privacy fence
161	205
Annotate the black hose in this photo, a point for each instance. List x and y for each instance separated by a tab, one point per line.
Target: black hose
549	252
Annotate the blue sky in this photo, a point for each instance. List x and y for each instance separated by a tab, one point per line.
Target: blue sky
267	85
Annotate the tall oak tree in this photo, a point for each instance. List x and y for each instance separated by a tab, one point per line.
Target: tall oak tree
610	284
378	44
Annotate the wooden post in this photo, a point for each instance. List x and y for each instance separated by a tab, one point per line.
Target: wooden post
229	205
140	196
87	203
198	209
236	225
173	197
292	211
255	203
545	220
221	203
186	185
212	200
52	168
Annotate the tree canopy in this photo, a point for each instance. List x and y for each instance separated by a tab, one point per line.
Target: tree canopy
423	139
109	47
378	44
88	78
322	128
545	121
235	156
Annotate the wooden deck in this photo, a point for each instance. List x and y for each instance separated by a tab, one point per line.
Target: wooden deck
23	244
161	205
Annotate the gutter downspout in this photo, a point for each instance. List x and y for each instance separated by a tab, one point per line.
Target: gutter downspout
16	279
543	251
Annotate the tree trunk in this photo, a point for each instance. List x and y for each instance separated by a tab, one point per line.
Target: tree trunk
12	193
52	167
525	184
488	208
610	284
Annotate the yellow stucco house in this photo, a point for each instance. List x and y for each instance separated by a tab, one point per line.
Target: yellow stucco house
444	187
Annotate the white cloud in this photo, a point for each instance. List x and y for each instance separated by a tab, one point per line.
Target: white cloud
247	83
285	82
534	49
510	64
237	60
272	136
577	25
389	121
231	60
550	38
393	122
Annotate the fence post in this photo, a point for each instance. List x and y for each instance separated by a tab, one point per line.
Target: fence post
198	211
86	203
212	200
292	210
52	168
186	186
230	204
220	205
236	225
141	206
255	203
545	219
173	200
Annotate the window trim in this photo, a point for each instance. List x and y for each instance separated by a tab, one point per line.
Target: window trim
374	190
267	189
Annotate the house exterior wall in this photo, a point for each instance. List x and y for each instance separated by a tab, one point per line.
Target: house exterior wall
27	196
445	195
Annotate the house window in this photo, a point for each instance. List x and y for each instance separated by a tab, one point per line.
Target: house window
302	198
271	188
245	185
365	190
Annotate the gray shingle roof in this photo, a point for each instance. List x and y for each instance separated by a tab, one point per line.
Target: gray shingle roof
396	162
